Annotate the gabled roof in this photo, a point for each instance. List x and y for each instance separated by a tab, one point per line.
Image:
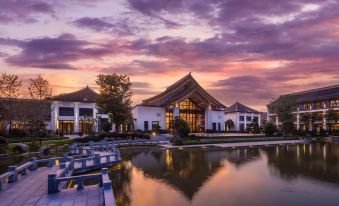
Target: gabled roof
238	107
83	95
187	87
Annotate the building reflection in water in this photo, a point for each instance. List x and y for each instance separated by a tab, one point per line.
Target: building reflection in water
187	171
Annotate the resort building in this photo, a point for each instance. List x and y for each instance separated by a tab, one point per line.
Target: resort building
185	99
238	116
76	112
316	101
70	113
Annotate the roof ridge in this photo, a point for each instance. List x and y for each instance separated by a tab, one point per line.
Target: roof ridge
313	90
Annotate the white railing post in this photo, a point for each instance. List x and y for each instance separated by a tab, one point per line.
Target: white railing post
14	176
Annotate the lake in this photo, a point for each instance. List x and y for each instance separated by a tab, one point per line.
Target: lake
275	175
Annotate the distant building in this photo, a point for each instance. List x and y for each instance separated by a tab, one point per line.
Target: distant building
240	116
185	99
316	101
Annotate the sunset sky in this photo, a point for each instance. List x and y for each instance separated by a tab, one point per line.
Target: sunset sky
246	50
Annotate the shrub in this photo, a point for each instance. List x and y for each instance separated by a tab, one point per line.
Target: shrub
181	128
18	133
270	128
106	127
88	138
177	141
3	141
253	127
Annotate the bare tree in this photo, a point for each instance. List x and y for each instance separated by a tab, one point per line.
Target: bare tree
40	92
39	88
10	85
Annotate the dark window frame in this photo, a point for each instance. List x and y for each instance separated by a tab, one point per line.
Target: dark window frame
66	111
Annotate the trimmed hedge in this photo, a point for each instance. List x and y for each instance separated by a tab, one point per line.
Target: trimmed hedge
121	136
18	133
125	135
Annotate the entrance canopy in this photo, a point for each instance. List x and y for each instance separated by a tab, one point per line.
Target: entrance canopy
185	88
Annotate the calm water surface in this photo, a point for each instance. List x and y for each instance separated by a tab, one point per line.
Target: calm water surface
279	175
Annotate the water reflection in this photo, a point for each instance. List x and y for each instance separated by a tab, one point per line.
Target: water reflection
312	164
279	175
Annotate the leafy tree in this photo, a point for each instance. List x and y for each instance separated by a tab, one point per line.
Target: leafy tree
283	107
331	118
115	98
106	127
270	128
9	89
181	128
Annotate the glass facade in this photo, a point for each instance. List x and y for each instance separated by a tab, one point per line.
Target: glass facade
190	112
66	127
86	126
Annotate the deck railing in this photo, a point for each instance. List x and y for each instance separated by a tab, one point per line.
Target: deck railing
56	179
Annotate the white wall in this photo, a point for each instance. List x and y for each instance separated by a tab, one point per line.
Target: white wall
217	117
145	113
235	118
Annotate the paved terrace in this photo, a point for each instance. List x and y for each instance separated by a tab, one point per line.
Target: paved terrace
31	190
29	185
236	144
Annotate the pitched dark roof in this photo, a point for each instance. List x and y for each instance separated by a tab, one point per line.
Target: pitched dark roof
317	94
24	109
238	107
187	87
83	95
322	93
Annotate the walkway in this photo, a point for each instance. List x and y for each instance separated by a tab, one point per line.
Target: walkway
31	190
235	144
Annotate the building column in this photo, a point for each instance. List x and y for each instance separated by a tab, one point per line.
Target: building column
324	121
208	118
176	110
276	120
54	116
76	117
245	122
298	121
259	120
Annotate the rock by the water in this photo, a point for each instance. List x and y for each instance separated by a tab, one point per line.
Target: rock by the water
20	148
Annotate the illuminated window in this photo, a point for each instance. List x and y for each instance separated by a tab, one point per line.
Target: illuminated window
86	126
66	127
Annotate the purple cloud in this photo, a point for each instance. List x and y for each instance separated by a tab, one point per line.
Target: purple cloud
120	26
23	10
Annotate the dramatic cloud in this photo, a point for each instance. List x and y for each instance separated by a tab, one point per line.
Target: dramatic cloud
57	53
